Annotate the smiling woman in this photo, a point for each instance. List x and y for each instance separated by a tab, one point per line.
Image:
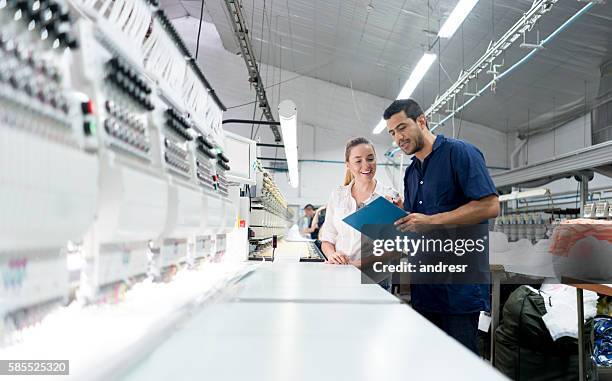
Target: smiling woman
364	152
340	242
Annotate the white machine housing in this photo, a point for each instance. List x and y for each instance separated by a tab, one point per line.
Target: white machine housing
42	205
133	192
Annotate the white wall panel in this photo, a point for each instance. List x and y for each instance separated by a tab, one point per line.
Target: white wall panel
491	142
569	137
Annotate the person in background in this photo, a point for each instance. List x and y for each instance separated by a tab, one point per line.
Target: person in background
340	242
312	224
319	216
446	183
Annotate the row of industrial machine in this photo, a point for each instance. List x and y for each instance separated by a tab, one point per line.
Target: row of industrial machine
268	217
531	226
538	224
113	164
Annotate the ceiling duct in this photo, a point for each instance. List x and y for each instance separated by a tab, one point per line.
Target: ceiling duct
605	84
557	117
602	113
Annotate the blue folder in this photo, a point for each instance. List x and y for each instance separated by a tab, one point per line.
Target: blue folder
378	212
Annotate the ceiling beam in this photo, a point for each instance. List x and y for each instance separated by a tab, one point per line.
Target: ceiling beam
241	32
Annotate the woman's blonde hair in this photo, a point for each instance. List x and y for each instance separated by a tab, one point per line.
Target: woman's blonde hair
348	176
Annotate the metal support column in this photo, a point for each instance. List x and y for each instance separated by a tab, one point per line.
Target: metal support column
581	364
496	276
584	191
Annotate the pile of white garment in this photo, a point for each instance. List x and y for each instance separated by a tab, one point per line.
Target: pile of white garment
579	251
561	316
521	257
293	235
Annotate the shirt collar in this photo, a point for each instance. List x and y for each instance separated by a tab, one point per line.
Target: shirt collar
379	189
347	187
440	139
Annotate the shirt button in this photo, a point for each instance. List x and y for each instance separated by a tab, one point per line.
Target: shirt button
420	202
421	182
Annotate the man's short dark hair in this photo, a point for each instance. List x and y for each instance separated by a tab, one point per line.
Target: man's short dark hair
309	206
409	106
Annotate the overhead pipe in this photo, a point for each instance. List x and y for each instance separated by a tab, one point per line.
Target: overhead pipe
270	145
604	95
514	155
248	121
547	40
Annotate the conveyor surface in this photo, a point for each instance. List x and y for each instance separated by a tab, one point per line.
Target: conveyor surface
310	321
310	282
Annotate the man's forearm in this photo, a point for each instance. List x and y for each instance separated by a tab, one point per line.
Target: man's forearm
473	212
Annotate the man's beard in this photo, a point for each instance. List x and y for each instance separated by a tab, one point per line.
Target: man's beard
418	144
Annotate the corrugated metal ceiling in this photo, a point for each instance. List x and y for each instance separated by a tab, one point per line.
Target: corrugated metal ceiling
372	47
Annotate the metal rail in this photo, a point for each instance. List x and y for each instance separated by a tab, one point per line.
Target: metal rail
242	36
597	158
494	50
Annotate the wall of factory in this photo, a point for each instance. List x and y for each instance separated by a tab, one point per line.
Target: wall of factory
491	142
569	137
328	116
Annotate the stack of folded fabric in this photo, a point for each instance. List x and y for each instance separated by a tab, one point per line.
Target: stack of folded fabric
582	250
571	231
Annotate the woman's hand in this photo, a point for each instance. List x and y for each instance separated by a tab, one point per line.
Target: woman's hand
338	258
356	263
397	201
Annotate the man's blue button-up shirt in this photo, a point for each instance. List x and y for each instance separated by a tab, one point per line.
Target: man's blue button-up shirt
452	175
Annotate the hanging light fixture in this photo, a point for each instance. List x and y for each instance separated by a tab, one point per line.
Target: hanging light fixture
413	81
456	18
287	113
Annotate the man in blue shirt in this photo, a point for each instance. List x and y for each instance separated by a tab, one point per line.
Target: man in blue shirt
446	183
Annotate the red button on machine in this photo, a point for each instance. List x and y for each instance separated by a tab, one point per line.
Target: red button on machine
87	107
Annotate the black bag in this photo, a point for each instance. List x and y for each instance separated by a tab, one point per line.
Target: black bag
524	349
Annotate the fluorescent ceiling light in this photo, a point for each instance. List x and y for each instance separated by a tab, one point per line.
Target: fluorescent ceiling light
413	81
380	126
462	9
539	192
287	113
417	75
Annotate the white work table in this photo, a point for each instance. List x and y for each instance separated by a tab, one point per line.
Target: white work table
310	282
309	321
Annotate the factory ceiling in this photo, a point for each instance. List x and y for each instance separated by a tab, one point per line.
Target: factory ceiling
372	46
